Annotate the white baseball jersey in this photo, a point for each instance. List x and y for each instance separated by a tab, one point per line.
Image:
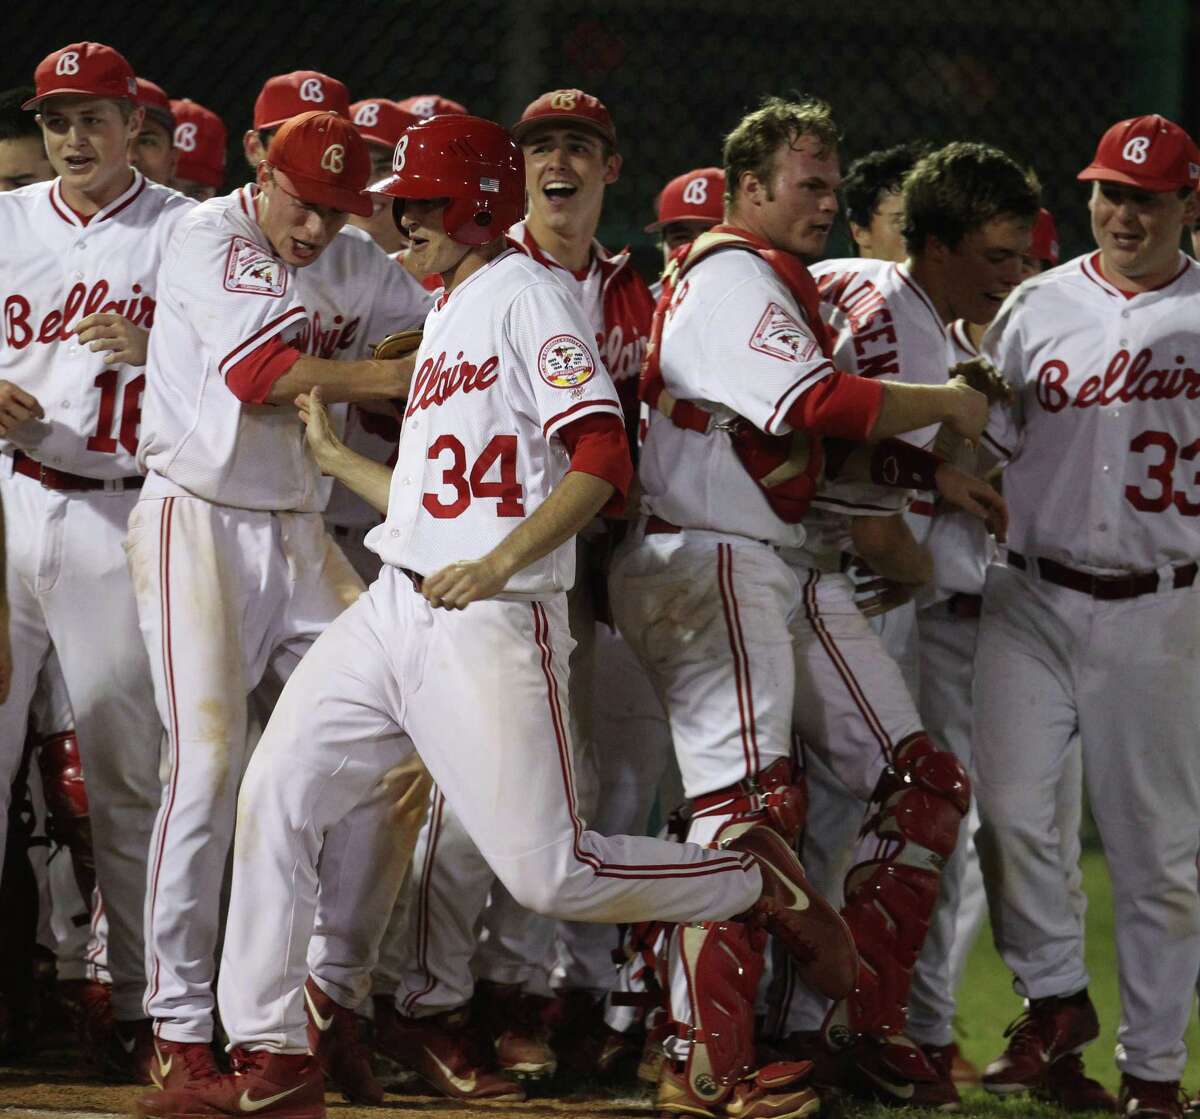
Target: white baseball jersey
56	270
884	327
587	285
224	294
506	360
1106	383
736	343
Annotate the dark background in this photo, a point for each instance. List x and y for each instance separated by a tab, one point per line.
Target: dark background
1040	79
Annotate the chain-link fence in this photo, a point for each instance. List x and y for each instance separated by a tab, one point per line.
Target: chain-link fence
1039	78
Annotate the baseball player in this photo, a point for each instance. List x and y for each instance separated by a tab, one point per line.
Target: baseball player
200	141
687	206
1091	620
264	292
570	149
153	149
285	96
509	451
872	192
23	157
80	294
742	638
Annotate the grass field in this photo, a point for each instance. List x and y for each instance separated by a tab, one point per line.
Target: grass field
987	1004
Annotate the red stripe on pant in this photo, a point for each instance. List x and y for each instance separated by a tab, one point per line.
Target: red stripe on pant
435	828
741	662
164	588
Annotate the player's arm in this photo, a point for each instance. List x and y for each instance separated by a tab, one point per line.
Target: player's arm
367	478
890	566
124	343
570	506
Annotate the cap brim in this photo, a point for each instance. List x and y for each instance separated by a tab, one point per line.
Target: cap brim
318	193
523	127
694	219
36	100
1106	174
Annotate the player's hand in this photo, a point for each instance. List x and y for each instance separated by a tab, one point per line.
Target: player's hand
126	344
16	406
318	431
973	496
875	595
968	411
457	585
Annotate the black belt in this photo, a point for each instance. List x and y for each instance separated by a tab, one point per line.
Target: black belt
65	481
1108	588
962	605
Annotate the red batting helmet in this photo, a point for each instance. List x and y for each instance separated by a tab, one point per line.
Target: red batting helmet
473	162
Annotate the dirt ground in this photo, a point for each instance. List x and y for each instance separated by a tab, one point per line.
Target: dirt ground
50	1088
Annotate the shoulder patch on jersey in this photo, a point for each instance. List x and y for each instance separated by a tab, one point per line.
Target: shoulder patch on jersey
780	335
249	269
565	362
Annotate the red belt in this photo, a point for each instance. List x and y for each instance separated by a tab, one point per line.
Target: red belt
64	480
656	526
1108	588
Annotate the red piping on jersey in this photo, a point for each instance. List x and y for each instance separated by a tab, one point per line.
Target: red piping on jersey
843	669
959	331
274	326
72	216
579	407
842	405
1092	264
598	446
916	289
784	404
252	377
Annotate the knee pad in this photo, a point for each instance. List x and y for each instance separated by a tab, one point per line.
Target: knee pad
67	820
915	815
723	962
778	794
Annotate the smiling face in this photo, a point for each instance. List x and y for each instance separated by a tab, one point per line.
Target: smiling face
153	152
1138	231
566	171
978	274
87	140
794	206
381	225
298	231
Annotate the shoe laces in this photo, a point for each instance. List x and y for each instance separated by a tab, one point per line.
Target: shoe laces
1025	1034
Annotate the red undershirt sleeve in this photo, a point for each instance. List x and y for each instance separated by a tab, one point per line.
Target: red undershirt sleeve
841	405
598	446
252	378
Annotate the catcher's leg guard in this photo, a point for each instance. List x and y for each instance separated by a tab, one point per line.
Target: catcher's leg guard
723	962
777	795
67	820
912	827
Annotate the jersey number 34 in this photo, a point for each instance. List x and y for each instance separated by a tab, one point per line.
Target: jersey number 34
507	491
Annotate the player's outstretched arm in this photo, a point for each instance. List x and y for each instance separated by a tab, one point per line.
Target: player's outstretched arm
367	478
344	381
571	505
911	407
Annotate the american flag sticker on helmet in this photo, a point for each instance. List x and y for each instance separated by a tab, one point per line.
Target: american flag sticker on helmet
492	185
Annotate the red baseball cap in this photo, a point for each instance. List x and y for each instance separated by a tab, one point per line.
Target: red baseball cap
381	121
301	91
1045	237
695	196
324	161
426	105
153	98
87	68
1149	152
566	106
200	140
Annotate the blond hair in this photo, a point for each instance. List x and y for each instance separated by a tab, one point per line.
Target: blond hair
753	145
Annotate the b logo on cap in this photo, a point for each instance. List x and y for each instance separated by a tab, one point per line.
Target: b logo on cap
398	158
1136	150
185	137
368	114
696	192
424	106
312	90
563	99
334	159
68	63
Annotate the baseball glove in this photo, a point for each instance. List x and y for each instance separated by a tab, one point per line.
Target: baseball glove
400	344
983	377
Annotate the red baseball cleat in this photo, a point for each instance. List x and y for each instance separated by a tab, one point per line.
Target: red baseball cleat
271	1085
1051	1028
334	1040
182	1064
1151	1099
791	909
